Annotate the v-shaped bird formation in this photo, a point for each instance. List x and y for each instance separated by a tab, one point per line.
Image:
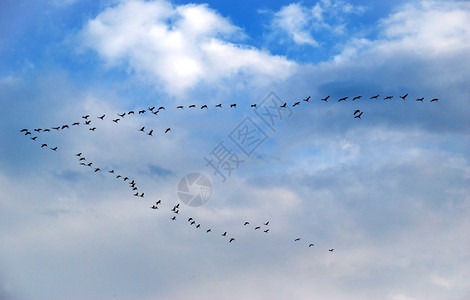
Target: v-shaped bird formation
93	124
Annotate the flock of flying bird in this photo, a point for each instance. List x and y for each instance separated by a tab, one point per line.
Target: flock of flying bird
155	111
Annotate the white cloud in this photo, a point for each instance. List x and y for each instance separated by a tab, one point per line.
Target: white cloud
178	46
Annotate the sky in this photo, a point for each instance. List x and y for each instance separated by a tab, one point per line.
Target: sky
388	192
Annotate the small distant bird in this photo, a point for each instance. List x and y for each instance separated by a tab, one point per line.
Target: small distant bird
204	106
125	178
92	129
116	120
181	106
142	111
208	230
284	105
154	207
161	107
150	132
231	240
54	149
219	105
65	126
27	132
192	106
257	227
266	230
136	194
167	130
78	154
102	117
246	223
142	129
375	97
343	99
131	112
357	97
297	239
198	225
56	128
420	99
326	98
193	222
82	158
38	129
158	202
34	138
122	115
189	220
86	117
434	100
151	108
224	234
358	116
118	176
295	104
253	105
142	195
267	223
97	169
174	218
89	164
233	105
46	130
331	250
356	111
156	112
76	124
23	130
388	97
43	145
306	99
404	96
111	171
311	245
87	122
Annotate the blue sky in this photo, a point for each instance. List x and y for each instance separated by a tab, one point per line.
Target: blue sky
389	192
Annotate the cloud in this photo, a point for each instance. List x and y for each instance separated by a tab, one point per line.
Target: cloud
179	46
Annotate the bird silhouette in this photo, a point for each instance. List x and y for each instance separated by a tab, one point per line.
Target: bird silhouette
86	117
122	115
174	218
78	154
156	112
388	97
92	129
76	124
34	138
46	130
356	111
358	116
266	230
234	105
331	250
151	108
219	105
131	112
224	234
375	97
326	98
43	145
284	105
142	111
420	99
311	245
343	99
111	171
150	132
357	97
87	122
116	120
97	169
267	223
297	239
434	100
167	130
193	222
208	230
404	96
257	227
204	106
198	225
65	126
154	207
161	107
192	106
27	133
295	104
54	149
306	99
102	117
142	129
231	240
23	130
189	220
246	223
253	105
158	202
82	158
181	106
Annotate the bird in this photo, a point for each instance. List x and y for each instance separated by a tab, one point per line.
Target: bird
311	245
198	225
136	194
388	97
87	122
267	223
86	117
154	207
27	132
156	112
122	115
356	111
295	104
167	130
331	250
219	105
82	158
306	99
297	239
102	117
181	106
284	105
111	171
189	220
141	111
142	195
97	169
76	124
253	105
65	126
23	130
326	98
192	106
357	97
118	176
246	223
34	138
92	129
358	116
174	218
54	149
151	108
89	164
150	132
193	222
257	227
158	202
404	96
125	178
231	240
434	100
343	99
46	130
37	130
43	145
233	105
78	154
266	230
116	120
204	106
420	99
208	230
375	97
131	112
142	129
161	107
224	234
